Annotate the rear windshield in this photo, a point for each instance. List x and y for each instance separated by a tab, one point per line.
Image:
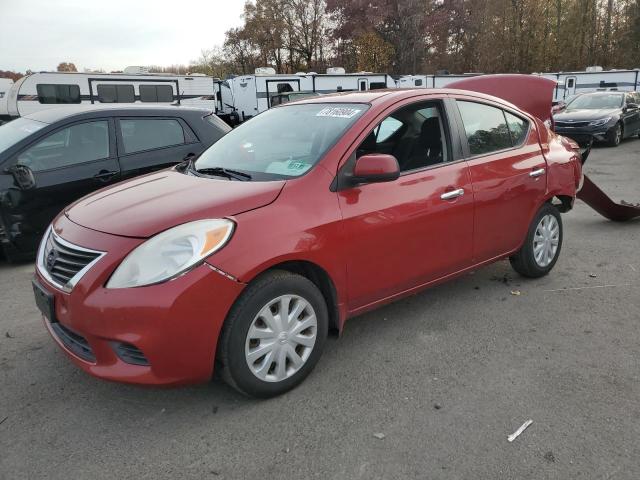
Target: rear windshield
282	142
12	132
596	102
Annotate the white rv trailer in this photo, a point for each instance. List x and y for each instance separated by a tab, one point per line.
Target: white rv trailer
591	80
431	81
5	86
44	90
252	94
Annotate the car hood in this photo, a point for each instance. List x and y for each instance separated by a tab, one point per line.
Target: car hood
150	204
581	115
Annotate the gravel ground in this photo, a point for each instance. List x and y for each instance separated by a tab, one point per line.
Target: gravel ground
444	376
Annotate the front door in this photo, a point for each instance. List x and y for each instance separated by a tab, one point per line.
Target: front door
631	114
419	228
66	164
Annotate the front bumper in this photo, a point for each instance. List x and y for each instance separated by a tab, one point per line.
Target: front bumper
174	325
584	135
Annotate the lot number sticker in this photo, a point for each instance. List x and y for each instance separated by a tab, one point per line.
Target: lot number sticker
336	112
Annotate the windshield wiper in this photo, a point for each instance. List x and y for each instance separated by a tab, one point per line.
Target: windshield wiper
225	172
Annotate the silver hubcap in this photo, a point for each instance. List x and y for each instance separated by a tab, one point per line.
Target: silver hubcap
281	338
545	240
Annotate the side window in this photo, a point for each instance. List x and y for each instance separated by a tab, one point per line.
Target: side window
414	134
79	143
418	82
156	93
485	126
518	128
141	134
52	93
116	94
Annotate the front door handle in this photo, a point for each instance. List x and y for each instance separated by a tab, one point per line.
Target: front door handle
105	175
452	194
537	173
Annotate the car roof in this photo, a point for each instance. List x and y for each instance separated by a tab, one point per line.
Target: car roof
373	97
52	115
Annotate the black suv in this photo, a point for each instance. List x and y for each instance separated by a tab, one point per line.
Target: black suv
52	158
602	116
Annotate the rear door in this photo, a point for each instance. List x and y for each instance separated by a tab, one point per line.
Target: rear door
508	173
146	144
67	164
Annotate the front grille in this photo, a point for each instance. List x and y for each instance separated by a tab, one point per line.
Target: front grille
77	344
63	261
571	124
130	354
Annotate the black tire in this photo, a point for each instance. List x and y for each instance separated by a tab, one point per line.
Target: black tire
614	135
524	261
232	362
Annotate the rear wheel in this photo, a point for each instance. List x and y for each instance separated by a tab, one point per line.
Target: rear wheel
274	335
541	248
614	136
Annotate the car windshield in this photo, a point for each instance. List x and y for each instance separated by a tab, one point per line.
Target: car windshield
282	142
12	132
596	102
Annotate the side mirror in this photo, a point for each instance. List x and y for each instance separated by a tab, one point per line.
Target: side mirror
23	177
374	168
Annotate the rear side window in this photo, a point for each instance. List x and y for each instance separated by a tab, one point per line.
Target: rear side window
52	93
116	94
485	126
141	134
156	93
518	128
80	143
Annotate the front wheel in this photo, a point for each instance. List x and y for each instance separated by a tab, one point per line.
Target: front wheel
274	335
541	248
614	136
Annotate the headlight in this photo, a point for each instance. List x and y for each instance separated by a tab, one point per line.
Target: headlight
599	123
171	253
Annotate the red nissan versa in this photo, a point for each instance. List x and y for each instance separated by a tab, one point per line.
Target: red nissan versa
306	215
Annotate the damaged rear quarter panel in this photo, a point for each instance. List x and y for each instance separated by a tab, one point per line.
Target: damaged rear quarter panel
563	163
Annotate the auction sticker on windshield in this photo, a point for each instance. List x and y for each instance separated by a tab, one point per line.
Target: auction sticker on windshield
338	112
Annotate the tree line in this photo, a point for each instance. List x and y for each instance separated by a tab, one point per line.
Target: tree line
424	36
427	36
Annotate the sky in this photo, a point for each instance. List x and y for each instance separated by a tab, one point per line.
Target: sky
111	34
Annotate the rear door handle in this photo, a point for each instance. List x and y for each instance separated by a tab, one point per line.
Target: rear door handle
105	175
537	173
452	194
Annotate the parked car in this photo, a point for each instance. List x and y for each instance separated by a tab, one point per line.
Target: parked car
53	157
560	105
309	214
602	116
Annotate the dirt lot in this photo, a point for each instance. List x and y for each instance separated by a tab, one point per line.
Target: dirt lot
445	376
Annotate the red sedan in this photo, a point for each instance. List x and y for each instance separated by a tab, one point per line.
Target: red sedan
301	218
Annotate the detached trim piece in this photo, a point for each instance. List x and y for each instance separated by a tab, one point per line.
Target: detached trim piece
591	194
221	272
